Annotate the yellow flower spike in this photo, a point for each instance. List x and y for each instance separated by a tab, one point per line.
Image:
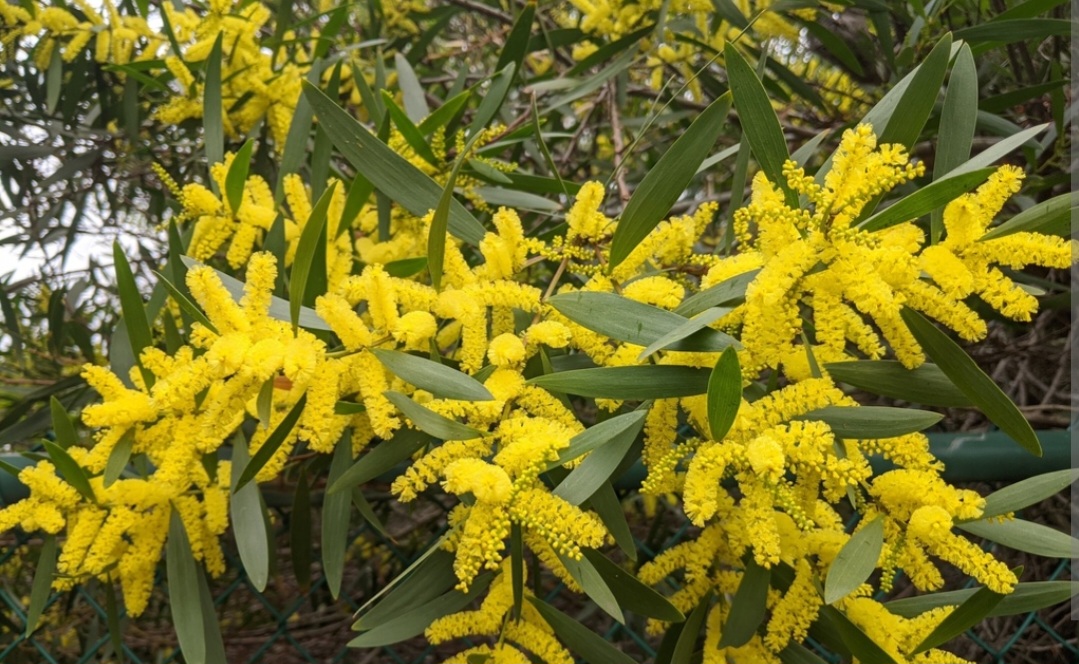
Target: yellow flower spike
482	542
487	482
215	300
566	527
765	456
426	470
506	350
371	377
344	321
702	490
415	330
932	526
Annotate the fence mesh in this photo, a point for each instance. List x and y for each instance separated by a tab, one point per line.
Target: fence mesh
292	623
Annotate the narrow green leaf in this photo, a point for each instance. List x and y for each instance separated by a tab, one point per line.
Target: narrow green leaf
438	379
272	444
72	472
593	585
1052	217
1009	31
236	178
42	585
919	98
1025	536
1026	598
861	645
748	606
957	120
62	426
667	179
414	97
926	384
248	524
406	267
335	513
517	568
580	639
299	133
516	46
972	381
855	561
213	111
389	172
368	513
54	81
185	605
381	459
629	383
724	394
631	593
626	424
186	305
926	199
411	133
598	467
264	402
687	639
623	319
211	628
728	291
796	653
413	622
300	535
134	311
758	119
442	115
432	577
605	503
112	619
492	100
306	248
1028	492
429	421
968	614
118	459
348	408
871	422
685	330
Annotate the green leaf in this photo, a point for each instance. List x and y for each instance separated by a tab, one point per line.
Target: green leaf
598	467
1013	30
442	115
42	585
957	119
411	91
54	81
388	171
968	614
118	459
593	585
211	629
272	444
300	535
582	640
926	199
438	379
429	421
748	607
517	569
871	422
264	402
411	133
687	638
628	383
492	100
311	239
861	645
1028	492
248	523
185	605
926	384
605	503
134	311
236	178
758	119
299	132
406	267
213	122
62	426
368	513
413	622
919	97
335	513
1026	598
624	319
724	394
1025	536
416	587
796	653
667	179
728	291
972	381
72	472
631	593
607	431
516	46
389	453
112	619
687	329
998	150
855	561
186	305
1051	217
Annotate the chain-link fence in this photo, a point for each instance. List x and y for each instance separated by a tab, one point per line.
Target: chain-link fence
296	622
